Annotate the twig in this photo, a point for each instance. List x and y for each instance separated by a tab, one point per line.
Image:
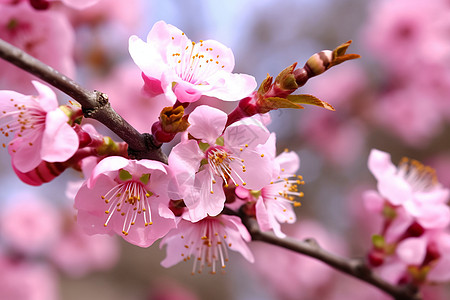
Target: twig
95	104
354	267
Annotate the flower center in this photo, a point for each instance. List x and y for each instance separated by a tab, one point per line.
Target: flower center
221	164
195	63
208	245
421	178
284	188
126	202
22	119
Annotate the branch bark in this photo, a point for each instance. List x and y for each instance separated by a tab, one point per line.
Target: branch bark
95	104
354	267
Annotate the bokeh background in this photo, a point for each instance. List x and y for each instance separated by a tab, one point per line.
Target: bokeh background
396	98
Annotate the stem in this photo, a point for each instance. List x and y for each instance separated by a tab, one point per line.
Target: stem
95	104
354	267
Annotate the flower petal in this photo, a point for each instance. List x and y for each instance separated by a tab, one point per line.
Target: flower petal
59	141
380	164
207	123
112	163
47	98
248	131
412	251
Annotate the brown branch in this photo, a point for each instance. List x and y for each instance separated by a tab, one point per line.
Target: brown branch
95	104
353	267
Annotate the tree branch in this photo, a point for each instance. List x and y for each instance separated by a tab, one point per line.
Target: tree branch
95	104
354	267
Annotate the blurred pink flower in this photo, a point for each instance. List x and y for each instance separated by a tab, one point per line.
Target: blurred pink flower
202	169
77	254
410	114
29	225
290	274
412	186
188	70
127	98
78	4
405	34
125	15
127	197
35	32
208	240
27	281
40	128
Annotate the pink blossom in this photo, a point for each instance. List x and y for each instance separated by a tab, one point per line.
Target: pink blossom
409	114
188	70
77	254
27	281
340	141
208	240
403	33
30	225
127	197
40	128
203	167
274	202
123	16
412	186
35	32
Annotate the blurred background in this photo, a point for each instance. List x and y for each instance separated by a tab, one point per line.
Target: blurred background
396	98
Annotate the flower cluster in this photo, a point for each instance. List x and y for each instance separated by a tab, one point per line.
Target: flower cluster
224	165
414	243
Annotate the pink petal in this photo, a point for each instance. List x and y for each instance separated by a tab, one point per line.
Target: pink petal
434	216
241	192
412	251
435	196
373	202
186	92
199	199
26	156
145	236
289	161
146	166
185	156
207	123
89	198
146	57
79	4
59	141
262	215
441	270
380	164
47	98
248	131
395	189
222	54
232	87
112	163
258	172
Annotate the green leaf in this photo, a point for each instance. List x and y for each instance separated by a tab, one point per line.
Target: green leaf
309	99
276	102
